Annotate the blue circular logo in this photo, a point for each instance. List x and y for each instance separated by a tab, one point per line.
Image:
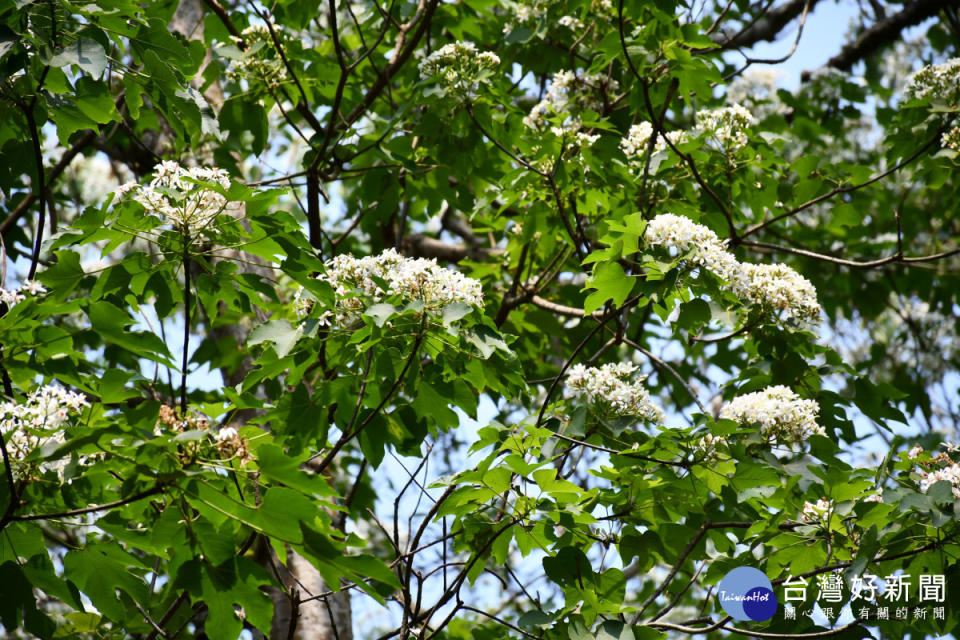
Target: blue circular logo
746	594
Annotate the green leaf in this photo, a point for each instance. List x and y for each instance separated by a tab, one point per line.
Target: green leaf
280	333
455	311
100	571
693	314
87	54
380	313
110	323
486	340
277	466
112	386
531	620
611	283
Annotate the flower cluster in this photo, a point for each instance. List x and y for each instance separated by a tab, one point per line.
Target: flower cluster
876	496
571	22
709	446
525	12
756	89
568	95
777	286
231	444
170	420
260	59
38	421
939	468
608	386
359	282
816	512
951	139
634	146
528	12
13	296
727	126
937	81
783	416
572	131
458	65
174	194
949	473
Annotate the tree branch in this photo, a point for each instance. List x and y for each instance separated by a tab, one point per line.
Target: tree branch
768	27
883	33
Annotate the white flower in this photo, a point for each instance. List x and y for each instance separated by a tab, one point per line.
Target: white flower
13	296
726	126
37	421
875	497
607	385
568	95
33	287
914	452
524	12
783	416
571	22
231	444
780	287
937	81
225	434
572	131
757	89
634	146
173	195
301	303
355	282
777	287
949	473
815	512
709	445
458	65
951	139
260	60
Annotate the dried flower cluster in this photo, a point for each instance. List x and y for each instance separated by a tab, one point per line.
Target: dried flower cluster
609	387
231	444
776	286
358	282
816	512
37	421
459	66
13	296
783	416
726	126
939	82
175	195
260	60
171	420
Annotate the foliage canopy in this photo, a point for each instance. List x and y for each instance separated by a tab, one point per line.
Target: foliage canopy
636	314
